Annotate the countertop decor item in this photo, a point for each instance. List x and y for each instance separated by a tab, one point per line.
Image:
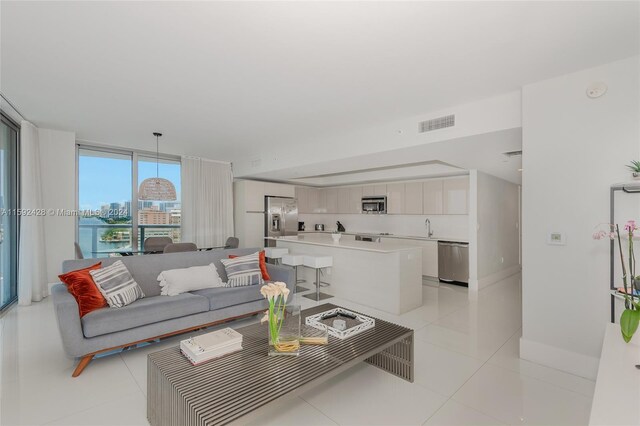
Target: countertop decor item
319	226
336	236
157	188
635	168
355	323
283	320
630	318
340	227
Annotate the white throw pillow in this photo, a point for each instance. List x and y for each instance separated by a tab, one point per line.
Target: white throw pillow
177	281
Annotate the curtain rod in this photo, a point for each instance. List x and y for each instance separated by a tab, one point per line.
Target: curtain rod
205	159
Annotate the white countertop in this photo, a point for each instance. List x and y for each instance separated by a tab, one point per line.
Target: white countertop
402	237
324	239
615	401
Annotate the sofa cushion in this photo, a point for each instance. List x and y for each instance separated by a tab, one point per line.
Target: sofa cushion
142	312
223	297
243	270
117	285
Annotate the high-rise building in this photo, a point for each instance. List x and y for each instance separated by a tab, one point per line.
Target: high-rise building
153	216
144	204
114	209
127	208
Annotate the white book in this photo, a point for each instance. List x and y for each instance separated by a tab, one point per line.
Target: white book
217	339
199	358
211	345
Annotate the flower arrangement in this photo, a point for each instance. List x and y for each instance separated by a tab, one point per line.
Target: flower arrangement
277	294
630	318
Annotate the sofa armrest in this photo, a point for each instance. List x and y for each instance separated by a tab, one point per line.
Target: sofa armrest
68	317
282	273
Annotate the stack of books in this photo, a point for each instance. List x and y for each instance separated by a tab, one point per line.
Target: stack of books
212	345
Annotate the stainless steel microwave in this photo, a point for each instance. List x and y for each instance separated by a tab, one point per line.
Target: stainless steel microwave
374	205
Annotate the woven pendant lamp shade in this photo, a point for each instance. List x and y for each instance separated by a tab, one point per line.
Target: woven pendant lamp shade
157	189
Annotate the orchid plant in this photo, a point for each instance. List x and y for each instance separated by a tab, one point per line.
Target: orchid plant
630	318
277	294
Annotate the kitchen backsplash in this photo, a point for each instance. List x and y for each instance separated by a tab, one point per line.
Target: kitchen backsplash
452	226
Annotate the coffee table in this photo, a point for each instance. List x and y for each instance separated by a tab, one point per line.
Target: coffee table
240	385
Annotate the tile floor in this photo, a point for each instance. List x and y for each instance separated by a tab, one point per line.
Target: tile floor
467	373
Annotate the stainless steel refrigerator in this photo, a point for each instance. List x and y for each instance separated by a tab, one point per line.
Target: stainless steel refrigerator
280	218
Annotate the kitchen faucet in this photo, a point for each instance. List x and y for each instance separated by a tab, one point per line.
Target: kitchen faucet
427	223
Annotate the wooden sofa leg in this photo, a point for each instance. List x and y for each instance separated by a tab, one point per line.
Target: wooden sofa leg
82	365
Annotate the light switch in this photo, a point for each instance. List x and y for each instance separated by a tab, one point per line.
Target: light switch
556	238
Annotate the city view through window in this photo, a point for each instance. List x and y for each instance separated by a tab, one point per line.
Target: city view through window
107	213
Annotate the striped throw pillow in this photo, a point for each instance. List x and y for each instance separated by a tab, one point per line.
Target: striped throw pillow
117	285
243	270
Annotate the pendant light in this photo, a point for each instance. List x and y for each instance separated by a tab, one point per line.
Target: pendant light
157	189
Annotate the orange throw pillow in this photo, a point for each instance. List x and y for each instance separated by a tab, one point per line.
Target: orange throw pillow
263	265
82	287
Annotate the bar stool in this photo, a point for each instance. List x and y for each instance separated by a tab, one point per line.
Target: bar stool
275	253
318	263
295	260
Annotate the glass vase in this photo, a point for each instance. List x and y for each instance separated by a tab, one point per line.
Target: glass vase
284	331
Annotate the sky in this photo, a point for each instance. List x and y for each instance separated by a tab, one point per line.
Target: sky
108	180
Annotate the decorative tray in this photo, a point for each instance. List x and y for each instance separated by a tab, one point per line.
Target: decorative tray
355	323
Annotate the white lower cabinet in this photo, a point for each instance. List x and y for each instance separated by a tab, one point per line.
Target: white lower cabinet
430	258
429	253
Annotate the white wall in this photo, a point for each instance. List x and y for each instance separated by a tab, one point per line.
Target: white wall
574	149
58	164
443	226
497	231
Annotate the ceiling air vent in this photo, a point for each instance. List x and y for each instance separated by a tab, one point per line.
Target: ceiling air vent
437	123
512	153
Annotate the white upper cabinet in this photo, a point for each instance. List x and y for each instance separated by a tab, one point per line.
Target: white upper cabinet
303	199
432	197
279	190
355	199
395	198
253	193
313	200
331	200
343	200
321	203
413	198
374	190
456	195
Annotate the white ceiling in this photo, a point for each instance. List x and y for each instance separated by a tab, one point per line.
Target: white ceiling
220	78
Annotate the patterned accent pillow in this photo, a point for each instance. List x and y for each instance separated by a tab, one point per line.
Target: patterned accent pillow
243	270
117	285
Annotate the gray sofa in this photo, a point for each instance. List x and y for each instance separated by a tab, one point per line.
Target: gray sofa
155	316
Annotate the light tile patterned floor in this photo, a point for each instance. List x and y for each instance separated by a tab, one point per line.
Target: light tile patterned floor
467	373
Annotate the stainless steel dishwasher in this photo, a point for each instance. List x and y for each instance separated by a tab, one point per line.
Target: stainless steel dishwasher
453	262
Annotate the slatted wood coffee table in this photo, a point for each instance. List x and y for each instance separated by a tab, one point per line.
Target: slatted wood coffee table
242	384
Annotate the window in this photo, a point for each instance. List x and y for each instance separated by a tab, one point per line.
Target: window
159	218
9	132
109	221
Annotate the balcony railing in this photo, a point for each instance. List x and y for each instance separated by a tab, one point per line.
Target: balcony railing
92	244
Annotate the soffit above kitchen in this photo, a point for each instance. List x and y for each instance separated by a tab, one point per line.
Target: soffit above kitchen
496	153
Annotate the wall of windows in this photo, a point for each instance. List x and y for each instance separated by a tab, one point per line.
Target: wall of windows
9	134
112	218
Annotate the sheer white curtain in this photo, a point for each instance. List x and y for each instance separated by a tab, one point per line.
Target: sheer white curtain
207	202
32	275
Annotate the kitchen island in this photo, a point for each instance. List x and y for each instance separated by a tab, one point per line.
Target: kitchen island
385	275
